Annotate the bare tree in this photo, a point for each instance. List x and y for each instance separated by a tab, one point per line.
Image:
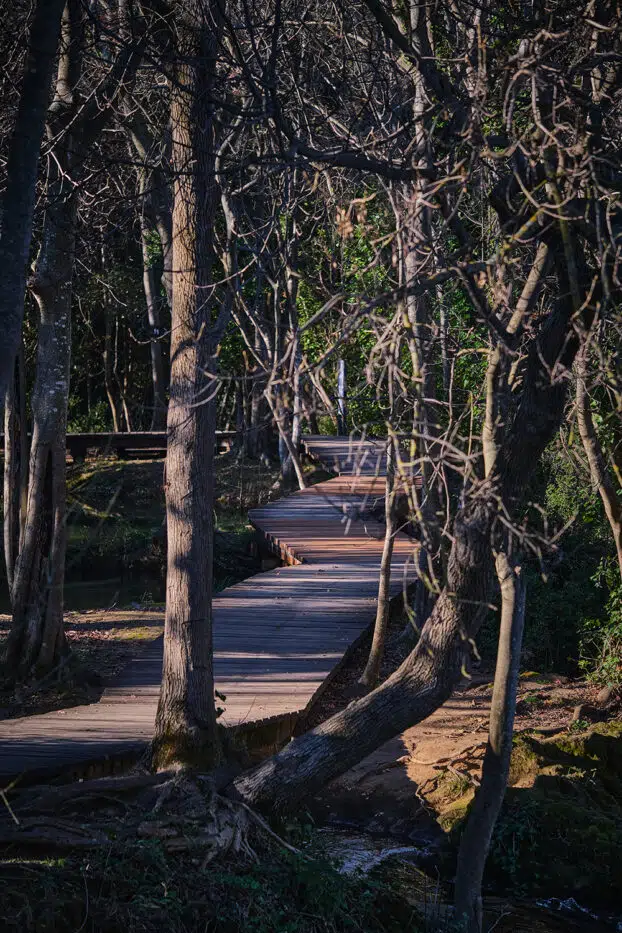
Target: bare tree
36	641
535	203
19	199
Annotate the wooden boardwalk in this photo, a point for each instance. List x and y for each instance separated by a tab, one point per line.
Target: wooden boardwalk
278	636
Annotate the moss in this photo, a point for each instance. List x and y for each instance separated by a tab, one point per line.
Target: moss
560	831
451	798
189	749
524	762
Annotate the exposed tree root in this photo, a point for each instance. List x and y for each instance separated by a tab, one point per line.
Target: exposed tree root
183	810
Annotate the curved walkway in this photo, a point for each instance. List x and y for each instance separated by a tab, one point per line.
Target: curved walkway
278	636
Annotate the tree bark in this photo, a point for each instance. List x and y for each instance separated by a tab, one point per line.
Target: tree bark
15	467
601	476
21	179
477	836
36	640
109	354
186	733
371	673
152	300
155	216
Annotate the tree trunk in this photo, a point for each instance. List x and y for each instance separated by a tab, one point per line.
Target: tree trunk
109	351
123	379
476	838
432	670
36	641
15	467
287	451
109	380
186	731
152	299
21	179
371	673
601	476
342	414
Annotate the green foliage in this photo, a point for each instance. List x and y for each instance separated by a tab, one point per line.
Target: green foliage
142	889
600	642
97	418
154	249
566	612
560	833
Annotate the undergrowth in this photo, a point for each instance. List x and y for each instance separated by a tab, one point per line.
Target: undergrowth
142	889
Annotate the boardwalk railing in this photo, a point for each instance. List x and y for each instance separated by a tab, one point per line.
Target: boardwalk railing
124	443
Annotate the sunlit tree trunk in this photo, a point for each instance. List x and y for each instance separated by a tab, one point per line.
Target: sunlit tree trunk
477	835
186	729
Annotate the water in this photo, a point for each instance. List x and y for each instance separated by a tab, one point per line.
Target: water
142	591
361	853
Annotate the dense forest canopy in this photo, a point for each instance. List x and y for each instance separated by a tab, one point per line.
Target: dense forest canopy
396	219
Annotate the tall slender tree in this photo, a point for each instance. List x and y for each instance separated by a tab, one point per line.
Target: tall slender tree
186	731
19	198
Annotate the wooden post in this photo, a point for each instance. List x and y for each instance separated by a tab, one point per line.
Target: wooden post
342	414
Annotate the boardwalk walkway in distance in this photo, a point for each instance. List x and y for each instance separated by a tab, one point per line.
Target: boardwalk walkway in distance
278	636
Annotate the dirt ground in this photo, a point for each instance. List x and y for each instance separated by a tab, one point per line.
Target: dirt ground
385	793
101	641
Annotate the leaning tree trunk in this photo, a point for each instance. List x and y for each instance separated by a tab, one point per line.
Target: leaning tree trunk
21	178
477	836
186	733
433	669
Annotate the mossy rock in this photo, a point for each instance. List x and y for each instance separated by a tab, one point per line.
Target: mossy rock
560	831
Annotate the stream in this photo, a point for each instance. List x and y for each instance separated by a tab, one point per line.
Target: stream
354	852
